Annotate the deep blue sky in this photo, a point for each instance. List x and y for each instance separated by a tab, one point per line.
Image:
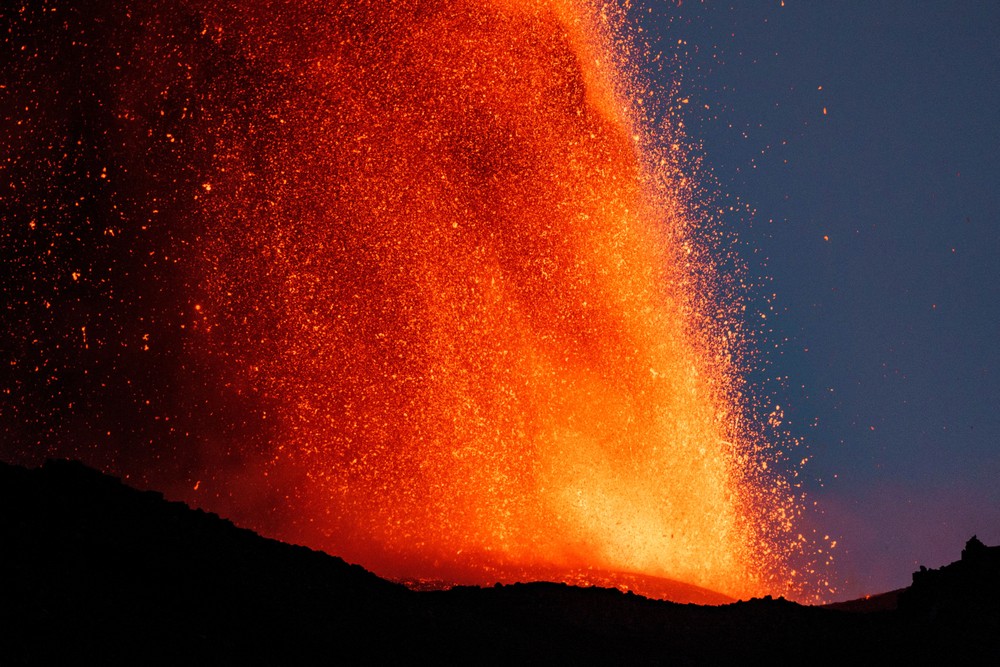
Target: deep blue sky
888	330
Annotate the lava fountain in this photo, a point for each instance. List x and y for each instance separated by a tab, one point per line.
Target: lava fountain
437	256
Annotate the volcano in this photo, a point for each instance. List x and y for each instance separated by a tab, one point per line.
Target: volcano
93	570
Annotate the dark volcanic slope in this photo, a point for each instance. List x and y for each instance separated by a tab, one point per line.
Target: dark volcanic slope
93	567
94	570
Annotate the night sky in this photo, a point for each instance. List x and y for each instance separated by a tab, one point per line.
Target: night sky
852	147
864	137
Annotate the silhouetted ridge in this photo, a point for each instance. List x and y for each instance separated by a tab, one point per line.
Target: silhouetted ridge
94	567
92	571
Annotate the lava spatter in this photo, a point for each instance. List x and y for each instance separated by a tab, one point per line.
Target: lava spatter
436	293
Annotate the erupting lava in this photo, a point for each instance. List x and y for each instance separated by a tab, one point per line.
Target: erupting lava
444	257
438	265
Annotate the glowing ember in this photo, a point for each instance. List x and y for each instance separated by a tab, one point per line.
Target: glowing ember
452	291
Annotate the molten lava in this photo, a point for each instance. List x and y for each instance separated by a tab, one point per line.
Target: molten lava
463	290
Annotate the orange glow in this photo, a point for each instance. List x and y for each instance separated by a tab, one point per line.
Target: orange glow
469	294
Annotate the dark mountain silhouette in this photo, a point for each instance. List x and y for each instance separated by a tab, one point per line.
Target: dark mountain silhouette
92	571
658	588
879	602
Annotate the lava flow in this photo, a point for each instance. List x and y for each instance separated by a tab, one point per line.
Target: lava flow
433	262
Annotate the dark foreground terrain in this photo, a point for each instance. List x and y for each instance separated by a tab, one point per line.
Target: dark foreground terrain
92	571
